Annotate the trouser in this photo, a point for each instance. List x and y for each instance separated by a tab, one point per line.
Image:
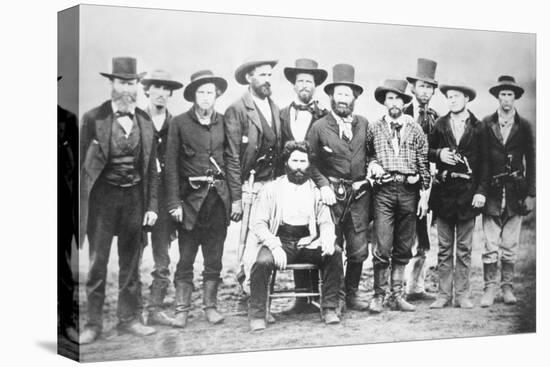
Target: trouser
395	206
331	266
501	233
209	233
66	230
114	211
453	264
161	237
416	269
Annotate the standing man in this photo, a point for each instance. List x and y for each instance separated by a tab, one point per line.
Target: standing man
338	145
510	142
291	224
423	86
118	188
67	220
296	120
198	195
253	130
398	158
158	88
458	146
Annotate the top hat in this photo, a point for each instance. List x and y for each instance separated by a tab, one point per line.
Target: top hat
161	77
392	85
462	87
124	68
343	74
506	82
240	73
306	66
202	77
425	71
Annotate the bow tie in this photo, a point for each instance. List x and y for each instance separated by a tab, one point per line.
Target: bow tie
122	114
396	126
303	107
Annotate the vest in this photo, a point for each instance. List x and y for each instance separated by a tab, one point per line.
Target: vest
265	170
122	169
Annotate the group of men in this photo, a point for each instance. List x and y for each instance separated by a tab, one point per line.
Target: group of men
305	182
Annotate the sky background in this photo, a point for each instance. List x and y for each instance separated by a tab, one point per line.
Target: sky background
184	42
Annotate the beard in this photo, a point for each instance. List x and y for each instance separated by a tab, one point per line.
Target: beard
262	90
297	176
342	109
423	99
123	100
305	96
395	112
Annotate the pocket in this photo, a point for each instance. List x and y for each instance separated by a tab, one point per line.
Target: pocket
187	150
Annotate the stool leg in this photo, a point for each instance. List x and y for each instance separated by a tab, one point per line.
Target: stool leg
270	288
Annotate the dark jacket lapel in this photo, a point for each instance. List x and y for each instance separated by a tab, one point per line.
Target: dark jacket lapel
147	134
495	128
514	129
103	127
251	110
448	131
468	130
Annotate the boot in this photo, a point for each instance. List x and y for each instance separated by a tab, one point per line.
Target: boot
184	291
210	295
156	315
136	328
330	316
303	279
352	279
506	283
380	287
490	279
397	303
376	304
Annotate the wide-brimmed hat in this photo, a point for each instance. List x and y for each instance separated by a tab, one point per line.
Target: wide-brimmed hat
506	82
161	77
425	71
240	73
460	86
202	77
392	85
343	74
124	68
306	66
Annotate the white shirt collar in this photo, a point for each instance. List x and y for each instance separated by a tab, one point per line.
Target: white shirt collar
132	109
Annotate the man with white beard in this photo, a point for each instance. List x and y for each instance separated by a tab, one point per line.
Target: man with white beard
118	189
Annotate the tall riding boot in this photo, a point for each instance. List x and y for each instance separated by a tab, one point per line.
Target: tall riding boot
397	302
352	279
156	315
506	283
210	295
184	292
380	287
490	279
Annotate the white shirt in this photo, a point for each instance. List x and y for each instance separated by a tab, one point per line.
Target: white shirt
299	122
124	121
158	120
344	124
265	108
458	126
296	205
506	125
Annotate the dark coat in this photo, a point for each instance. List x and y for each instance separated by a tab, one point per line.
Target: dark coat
521	145
332	156
190	146
67	167
244	133
94	155
431	117
286	131
162	138
452	199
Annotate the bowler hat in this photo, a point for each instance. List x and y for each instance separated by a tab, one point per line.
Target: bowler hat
161	77
392	85
506	82
425	71
202	77
240	73
306	66
124	68
460	86
343	74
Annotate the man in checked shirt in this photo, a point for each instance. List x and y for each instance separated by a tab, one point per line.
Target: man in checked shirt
397	151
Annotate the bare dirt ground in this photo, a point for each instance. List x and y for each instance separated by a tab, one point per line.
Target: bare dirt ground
307	330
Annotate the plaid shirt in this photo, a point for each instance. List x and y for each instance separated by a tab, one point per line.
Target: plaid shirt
413	150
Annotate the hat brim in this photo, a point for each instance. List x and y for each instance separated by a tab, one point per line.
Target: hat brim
412	80
470	92
240	73
329	88
380	95
170	84
319	75
189	91
518	91
124	76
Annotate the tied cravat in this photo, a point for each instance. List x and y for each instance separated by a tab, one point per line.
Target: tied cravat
396	128
347	133
125	120
130	115
302	107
